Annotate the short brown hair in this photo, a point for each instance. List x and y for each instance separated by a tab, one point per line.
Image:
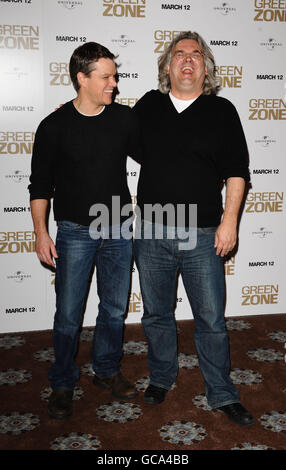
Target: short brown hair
83	57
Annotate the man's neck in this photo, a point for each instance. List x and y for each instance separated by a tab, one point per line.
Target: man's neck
185	96
85	107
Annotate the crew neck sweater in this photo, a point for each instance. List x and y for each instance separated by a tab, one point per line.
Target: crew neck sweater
80	160
187	156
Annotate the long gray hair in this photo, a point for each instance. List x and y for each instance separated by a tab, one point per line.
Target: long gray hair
210	84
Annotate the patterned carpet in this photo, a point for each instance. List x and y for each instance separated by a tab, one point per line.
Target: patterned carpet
183	422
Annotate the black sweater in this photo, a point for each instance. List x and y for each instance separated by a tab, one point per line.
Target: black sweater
81	160
187	156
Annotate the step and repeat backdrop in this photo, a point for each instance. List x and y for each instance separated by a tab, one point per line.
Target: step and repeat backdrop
248	39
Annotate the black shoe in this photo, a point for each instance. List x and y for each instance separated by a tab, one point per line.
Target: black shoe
60	404
154	395
235	412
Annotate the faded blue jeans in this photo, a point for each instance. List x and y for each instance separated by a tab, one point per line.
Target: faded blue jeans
77	252
159	261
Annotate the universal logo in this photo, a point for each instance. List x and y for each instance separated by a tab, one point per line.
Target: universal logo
17	177
271	44
19	277
265	141
127	8
225	9
262	232
69	4
123	41
15	73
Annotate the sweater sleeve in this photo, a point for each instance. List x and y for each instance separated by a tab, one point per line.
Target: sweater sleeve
42	175
234	158
140	112
135	140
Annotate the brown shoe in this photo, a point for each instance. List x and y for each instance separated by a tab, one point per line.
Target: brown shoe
118	385
60	404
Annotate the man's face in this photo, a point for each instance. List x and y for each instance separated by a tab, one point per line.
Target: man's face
99	85
186	70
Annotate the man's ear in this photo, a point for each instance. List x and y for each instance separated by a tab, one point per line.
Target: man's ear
81	78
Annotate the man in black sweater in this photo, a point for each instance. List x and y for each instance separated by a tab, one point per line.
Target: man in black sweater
79	160
193	142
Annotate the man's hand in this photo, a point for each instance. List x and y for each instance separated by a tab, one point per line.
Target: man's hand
225	238
46	249
226	234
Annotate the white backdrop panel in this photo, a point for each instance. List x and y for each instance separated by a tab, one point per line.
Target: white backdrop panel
37	38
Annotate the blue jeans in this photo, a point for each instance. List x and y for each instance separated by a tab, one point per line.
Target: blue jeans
159	262
77	252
